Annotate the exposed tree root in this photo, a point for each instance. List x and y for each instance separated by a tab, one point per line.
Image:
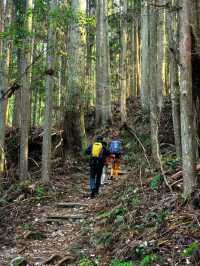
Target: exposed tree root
51	259
65	260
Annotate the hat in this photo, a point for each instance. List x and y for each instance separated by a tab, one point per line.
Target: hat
99	138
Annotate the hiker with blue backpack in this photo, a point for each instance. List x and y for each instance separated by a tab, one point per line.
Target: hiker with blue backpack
115	150
98	154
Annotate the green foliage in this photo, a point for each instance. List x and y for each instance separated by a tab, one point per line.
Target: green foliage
121	263
118	211
157	217
105	214
85	262
39	191
119	219
172	162
189	251
27	227
113	214
135	201
142	249
103	238
147	260
156	181
18	261
3	201
134	153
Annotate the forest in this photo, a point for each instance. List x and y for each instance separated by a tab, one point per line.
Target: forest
72	70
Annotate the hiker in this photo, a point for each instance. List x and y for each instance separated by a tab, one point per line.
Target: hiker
98	153
115	150
105	167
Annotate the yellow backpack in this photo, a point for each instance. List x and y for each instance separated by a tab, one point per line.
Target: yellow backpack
97	149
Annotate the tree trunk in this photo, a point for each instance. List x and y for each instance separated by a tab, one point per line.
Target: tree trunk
2	88
133	46
103	100
46	144
145	92
90	45
123	62
25	93
160	54
74	126
187	128
5	20
172	25
16	123
154	119
195	25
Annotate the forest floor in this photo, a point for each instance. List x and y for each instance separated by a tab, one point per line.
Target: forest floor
54	227
136	219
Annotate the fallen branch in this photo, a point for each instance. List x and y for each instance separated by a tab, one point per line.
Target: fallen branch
64	260
176	182
180	173
74	217
71	205
51	259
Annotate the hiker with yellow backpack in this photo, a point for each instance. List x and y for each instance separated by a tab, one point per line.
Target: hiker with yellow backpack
98	154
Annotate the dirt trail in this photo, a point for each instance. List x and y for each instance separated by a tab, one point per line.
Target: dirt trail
55	232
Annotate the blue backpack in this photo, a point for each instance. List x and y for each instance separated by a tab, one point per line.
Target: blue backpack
115	147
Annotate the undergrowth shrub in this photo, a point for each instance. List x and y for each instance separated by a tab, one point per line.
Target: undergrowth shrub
155	182
147	260
85	262
191	249
121	263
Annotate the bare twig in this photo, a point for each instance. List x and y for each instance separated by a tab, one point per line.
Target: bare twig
131	131
141	181
180	173
164	176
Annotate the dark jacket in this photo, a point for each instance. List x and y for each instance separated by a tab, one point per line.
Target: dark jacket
102	158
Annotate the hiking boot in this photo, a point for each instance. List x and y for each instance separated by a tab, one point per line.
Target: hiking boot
92	195
96	190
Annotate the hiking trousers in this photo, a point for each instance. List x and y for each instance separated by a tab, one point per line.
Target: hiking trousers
96	169
115	166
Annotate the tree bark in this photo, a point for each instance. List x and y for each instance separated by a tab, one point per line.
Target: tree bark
123	63
5	47
74	127
160	54
46	144
154	118
145	90
89	62
187	128
103	100
25	92
172	25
